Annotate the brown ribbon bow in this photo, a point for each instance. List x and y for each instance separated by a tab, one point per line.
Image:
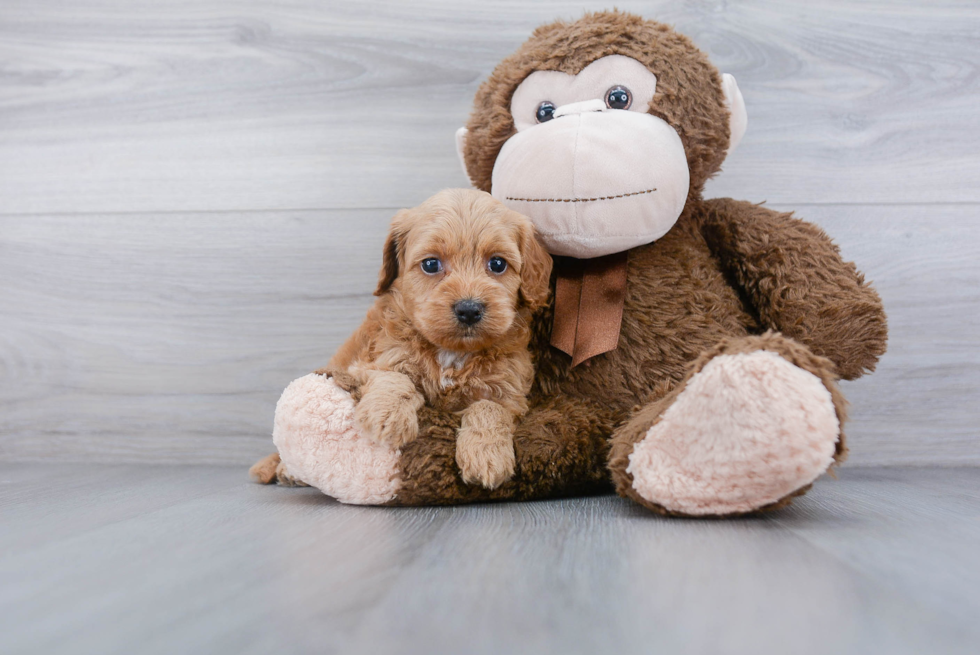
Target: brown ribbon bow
589	296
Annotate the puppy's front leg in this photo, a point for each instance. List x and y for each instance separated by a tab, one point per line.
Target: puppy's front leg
388	409
485	444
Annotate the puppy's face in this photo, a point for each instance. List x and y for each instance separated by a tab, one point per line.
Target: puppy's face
463	265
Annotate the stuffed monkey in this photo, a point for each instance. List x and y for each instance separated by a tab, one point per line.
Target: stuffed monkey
690	355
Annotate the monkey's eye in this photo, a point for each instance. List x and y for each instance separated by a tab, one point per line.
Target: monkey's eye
545	112
497	265
619	97
431	266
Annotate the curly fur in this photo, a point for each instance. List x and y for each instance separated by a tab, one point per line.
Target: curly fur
726	271
689	96
730	277
411	350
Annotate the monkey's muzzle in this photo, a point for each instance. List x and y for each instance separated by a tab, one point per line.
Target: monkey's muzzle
595	181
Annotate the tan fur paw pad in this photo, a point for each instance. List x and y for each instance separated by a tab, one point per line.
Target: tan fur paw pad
389	420
488	462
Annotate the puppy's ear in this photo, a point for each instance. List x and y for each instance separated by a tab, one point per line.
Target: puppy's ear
535	269
394	244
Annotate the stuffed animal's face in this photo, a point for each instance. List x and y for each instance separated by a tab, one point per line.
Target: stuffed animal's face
596	170
600	130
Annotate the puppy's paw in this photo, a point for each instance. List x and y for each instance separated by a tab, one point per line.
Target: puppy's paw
485	458
389	419
264	470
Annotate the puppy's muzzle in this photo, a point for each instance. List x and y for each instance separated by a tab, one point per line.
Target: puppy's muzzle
469	312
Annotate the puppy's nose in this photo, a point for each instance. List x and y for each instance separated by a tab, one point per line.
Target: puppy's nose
469	311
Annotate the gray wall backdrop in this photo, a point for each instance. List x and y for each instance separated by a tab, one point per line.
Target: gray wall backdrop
193	196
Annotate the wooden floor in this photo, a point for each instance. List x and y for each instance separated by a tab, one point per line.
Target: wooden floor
141	559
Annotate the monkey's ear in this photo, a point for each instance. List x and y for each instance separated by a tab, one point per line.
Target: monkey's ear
461	150
536	266
392	252
738	118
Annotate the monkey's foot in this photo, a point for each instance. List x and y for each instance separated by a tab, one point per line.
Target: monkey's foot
319	445
745	432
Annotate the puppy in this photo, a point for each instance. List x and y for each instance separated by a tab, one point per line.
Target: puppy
460	279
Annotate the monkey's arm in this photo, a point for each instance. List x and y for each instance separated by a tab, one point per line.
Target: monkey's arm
794	276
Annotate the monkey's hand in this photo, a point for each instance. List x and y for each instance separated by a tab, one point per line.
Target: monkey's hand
798	283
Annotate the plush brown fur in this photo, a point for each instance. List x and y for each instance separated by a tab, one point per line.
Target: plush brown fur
412	351
681	310
726	271
729	277
688	87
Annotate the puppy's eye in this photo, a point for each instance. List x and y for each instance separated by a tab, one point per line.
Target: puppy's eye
619	97
545	111
431	266
497	265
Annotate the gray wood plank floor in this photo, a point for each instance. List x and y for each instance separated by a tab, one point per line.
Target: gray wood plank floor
122	559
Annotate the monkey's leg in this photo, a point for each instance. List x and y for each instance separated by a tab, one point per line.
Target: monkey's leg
754	423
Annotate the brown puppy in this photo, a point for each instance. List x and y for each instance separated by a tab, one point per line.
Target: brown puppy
461	276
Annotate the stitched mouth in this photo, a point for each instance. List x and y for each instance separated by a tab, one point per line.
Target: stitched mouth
622	195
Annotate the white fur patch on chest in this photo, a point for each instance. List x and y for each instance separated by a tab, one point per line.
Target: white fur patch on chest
449	361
